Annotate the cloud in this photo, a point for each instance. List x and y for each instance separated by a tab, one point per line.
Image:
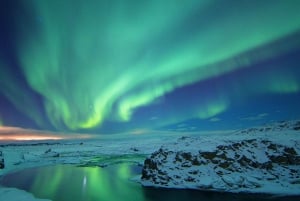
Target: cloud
154	118
255	118
215	119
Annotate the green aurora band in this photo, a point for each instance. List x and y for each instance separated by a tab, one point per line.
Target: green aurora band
101	60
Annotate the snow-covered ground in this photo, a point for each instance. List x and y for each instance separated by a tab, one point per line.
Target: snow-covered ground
98	151
217	170
95	151
13	194
257	160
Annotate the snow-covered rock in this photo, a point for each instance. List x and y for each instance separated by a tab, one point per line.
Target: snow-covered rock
257	160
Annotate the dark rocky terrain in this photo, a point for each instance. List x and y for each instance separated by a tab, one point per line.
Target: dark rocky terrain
252	160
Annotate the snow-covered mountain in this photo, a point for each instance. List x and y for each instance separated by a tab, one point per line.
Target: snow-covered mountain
260	160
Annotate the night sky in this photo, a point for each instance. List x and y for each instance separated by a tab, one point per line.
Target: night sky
107	66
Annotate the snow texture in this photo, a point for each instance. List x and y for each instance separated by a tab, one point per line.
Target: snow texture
258	160
13	194
101	151
97	152
175	164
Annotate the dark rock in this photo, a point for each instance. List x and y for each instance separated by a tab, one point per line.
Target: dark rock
236	155
222	147
282	160
194	172
150	164
290	150
184	138
178	157
224	165
55	155
163	179
196	162
289	157
186	164
293	160
297	181
222	156
293	171
297	128
146	175
134	149
2	164
215	161
156	153
236	145
177	176
48	151
244	161
187	156
273	147
267	165
209	155
250	141
189	179
161	172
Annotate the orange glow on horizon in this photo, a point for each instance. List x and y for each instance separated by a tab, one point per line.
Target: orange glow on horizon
139	131
28	137
21	134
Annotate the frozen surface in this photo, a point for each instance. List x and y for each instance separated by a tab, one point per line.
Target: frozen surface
258	160
13	194
99	151
96	151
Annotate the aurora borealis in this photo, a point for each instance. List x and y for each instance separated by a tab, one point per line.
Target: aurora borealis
124	65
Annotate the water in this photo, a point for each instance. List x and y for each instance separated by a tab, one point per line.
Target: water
112	183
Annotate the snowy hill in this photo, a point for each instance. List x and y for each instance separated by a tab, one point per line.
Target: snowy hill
258	160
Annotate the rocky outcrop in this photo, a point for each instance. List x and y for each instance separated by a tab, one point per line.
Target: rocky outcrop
2	165
50	153
249	165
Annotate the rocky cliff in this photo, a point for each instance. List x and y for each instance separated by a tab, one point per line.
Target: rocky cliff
264	160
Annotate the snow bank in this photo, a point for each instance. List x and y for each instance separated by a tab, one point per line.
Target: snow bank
101	152
83	152
13	194
260	160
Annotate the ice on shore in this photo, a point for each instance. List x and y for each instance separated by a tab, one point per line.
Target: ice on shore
13	194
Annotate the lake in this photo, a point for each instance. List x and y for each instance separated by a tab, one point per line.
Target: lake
111	183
